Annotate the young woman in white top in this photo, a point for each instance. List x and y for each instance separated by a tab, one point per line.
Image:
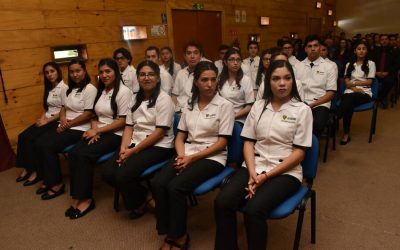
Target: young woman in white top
265	61
147	139
54	88
234	86
104	136
277	131
75	114
359	75
168	63
200	144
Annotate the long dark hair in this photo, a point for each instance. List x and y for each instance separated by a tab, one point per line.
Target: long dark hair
48	86
353	59
198	70
268	91
140	95
171	64
261	69
101	86
71	83
223	77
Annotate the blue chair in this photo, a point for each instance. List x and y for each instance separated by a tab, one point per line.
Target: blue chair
372	105
235	156
298	201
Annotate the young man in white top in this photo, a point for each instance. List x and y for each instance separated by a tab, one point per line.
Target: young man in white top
152	53
221	53
324	52
128	72
287	48
319	81
252	61
182	89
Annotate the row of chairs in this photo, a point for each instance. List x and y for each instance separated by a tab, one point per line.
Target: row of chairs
298	201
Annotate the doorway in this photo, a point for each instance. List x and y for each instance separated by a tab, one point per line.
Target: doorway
202	26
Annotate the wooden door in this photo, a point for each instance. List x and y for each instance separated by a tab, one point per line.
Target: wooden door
202	26
314	26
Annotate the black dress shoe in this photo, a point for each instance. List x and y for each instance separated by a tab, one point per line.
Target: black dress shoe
138	212
33	182
42	190
78	213
23	178
47	196
344	142
70	211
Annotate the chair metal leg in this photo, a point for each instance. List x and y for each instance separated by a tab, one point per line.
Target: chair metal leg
327	143
334	138
373	124
313	216
116	200
192	200
298	228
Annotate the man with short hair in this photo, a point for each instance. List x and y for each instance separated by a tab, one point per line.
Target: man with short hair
124	59
319	81
324	53
182	88
252	62
287	48
152	53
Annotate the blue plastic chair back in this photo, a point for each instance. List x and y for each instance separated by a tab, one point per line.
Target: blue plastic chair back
310	162
235	145
177	118
375	88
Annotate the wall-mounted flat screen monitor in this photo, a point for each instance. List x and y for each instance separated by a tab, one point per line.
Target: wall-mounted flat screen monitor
64	54
134	32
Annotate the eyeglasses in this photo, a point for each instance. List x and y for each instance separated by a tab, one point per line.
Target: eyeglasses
119	58
150	75
238	60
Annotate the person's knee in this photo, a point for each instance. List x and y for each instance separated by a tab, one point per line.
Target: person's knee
223	202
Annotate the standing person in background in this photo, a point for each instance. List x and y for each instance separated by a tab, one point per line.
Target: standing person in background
152	53
124	59
168	63
54	89
221	53
252	61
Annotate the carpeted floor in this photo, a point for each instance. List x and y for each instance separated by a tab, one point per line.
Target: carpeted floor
356	190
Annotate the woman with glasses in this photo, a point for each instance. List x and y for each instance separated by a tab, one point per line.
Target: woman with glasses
235	86
147	139
124	59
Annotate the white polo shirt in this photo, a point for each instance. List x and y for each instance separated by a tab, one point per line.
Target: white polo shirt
130	79
275	133
78	102
293	60
166	81
358	75
316	81
177	67
334	65
103	106
145	120
253	68
220	65
239	97
54	100
182	88
205	126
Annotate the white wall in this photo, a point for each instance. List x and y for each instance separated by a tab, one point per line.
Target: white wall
366	16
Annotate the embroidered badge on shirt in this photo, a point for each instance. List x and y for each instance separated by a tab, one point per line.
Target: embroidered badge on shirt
209	116
288	119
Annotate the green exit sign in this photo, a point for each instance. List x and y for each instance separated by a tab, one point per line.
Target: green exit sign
198	6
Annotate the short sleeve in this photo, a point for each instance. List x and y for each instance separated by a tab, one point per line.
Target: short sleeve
182	125
129	116
166	82
303	135
345	71
164	111
372	69
89	95
249	127
248	91
177	87
64	96
227	119
123	100
331	83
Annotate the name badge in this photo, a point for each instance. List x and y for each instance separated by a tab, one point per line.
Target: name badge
210	116
320	72
288	119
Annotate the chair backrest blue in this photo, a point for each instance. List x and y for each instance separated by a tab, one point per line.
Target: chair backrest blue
310	162
235	145
375	88
177	118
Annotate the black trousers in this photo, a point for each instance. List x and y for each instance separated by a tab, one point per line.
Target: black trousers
49	145
27	150
348	103
387	84
127	177
171	190
81	161
320	119
232	198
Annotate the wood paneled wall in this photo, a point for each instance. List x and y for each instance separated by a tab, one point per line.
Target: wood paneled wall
28	28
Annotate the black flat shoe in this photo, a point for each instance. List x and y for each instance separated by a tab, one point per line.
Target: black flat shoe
344	142
42	190
78	213
138	212
70	211
47	196
184	246
23	178
33	182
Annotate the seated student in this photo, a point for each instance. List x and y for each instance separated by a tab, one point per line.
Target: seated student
75	114
168	63
252	61
147	139
319	81
104	136
358	77
128	72
152	53
287	48
200	145
265	61
54	88
234	86
182	89
221	53
324	53
274	146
